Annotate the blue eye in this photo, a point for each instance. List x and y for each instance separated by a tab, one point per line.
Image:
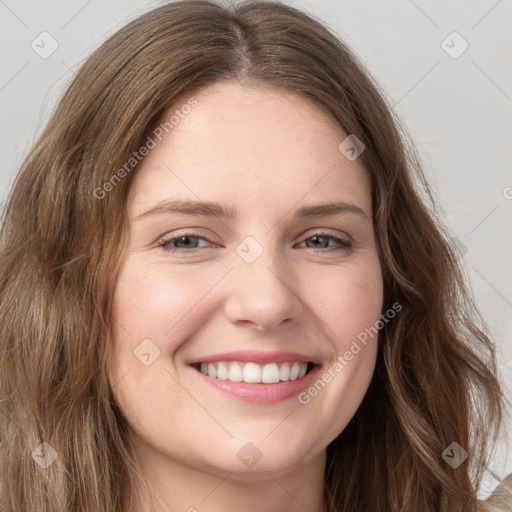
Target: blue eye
323	237
190	240
169	243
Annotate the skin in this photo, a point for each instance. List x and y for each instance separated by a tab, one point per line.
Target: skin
266	152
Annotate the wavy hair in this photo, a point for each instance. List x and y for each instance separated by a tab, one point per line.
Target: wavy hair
436	379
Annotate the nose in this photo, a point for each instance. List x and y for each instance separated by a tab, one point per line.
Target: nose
262	294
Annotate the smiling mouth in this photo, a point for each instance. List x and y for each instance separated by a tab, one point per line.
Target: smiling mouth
254	373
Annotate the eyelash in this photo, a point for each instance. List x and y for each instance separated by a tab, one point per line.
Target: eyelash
166	244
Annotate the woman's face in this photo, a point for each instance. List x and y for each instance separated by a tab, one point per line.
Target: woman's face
256	294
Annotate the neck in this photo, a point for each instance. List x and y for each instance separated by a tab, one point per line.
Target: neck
177	486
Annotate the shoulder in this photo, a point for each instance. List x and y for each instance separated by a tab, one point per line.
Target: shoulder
500	499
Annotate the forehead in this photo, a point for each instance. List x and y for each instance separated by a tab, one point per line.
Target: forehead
249	146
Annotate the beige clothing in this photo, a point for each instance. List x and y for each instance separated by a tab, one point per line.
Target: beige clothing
500	499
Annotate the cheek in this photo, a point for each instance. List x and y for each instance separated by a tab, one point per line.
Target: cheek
152	314
346	301
151	303
349	308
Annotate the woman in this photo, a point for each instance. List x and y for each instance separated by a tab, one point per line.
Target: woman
255	371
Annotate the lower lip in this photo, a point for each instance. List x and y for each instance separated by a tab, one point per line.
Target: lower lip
261	393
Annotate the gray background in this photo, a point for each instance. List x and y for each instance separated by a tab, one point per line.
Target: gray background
456	107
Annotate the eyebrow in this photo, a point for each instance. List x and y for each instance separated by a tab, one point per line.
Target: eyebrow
210	209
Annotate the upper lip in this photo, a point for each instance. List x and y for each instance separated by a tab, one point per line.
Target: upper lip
255	357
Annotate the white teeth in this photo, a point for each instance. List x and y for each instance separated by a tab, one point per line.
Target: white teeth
212	371
284	373
235	373
222	372
253	373
302	371
270	373
294	371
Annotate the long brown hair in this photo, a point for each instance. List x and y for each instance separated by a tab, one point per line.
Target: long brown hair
63	235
